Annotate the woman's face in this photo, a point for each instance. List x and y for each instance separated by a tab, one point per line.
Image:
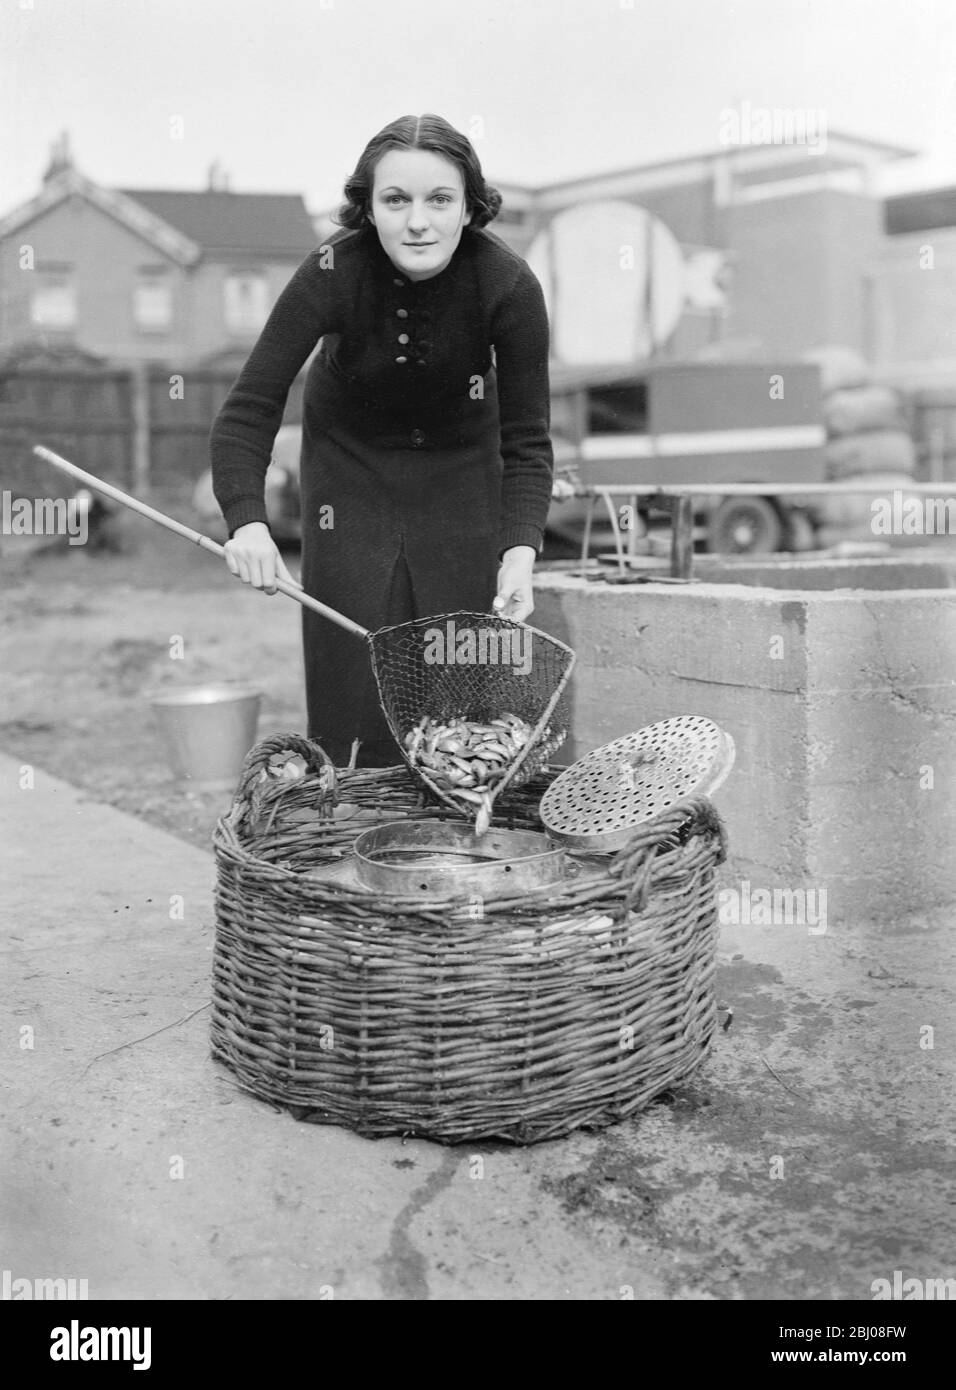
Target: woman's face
418	209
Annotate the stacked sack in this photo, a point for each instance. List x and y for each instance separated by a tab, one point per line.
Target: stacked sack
867	438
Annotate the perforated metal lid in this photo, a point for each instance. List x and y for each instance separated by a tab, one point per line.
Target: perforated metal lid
598	801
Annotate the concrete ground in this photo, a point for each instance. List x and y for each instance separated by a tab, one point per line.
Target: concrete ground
811	1156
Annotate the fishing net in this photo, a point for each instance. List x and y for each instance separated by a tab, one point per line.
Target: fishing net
474	666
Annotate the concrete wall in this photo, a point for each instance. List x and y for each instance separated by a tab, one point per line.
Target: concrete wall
840	704
687	209
913	569
880	775
915	298
799	269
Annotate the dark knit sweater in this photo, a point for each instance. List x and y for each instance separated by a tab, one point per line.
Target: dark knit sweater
474	365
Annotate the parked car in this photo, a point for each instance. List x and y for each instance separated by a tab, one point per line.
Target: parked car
282	492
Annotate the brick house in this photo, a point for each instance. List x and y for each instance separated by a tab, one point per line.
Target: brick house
145	274
808	249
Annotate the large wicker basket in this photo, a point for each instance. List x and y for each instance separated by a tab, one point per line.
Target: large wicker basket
569	1006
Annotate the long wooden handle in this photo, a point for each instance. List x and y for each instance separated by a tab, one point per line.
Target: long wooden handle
189	534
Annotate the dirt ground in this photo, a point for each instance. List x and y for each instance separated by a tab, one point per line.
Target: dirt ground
88	634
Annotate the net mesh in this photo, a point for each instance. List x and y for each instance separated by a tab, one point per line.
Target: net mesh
474	666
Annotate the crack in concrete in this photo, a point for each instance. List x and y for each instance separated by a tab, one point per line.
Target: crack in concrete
905	697
737	685
403	1267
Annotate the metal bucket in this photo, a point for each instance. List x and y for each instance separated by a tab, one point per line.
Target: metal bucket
208	730
446	857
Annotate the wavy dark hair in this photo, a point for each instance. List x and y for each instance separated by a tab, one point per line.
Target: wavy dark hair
428	132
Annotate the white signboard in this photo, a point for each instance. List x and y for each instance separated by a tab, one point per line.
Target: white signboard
613	280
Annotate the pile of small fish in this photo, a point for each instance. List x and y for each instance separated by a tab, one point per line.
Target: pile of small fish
288	767
468	758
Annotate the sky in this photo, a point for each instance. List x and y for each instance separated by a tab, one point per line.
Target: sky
284	94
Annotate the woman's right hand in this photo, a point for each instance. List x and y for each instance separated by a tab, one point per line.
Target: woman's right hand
253	557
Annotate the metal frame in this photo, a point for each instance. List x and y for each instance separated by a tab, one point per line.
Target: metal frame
682	512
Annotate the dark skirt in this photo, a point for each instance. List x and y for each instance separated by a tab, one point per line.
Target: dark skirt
341	693
391	531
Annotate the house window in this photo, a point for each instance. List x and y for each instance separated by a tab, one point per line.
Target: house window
53	303
247	301
152	300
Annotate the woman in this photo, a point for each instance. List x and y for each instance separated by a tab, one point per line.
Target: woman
426	458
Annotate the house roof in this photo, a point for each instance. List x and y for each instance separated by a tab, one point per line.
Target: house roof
68	183
223	221
919	212
184	225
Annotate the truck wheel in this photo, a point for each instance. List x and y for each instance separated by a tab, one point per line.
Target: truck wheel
799	531
744	526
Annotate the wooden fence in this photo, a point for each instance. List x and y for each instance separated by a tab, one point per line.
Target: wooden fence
140	428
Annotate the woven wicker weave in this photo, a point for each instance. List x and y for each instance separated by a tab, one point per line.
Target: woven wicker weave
517	1018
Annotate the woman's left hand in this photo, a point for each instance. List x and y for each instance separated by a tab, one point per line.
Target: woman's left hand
515	590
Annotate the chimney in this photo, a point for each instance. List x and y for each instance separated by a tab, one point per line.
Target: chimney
217	178
60	157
